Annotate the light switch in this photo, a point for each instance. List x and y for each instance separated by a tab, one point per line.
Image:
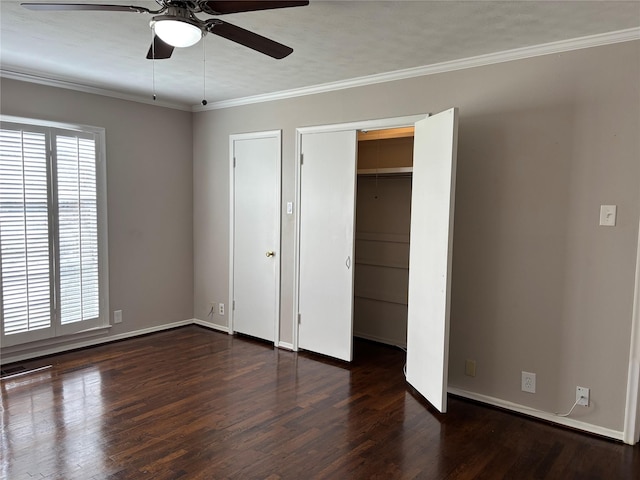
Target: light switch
608	215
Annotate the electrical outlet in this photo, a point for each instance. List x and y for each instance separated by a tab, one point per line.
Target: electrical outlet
117	316
528	382
221	309
470	368
582	396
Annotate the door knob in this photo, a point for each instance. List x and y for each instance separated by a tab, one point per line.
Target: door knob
270	253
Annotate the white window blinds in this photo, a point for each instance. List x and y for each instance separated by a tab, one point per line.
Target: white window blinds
78	237
24	232
52	242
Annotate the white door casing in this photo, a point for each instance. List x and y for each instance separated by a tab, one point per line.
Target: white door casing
327	218
431	239
255	232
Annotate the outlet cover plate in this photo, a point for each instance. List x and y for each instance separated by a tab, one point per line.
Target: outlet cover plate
528	382
582	396
470	368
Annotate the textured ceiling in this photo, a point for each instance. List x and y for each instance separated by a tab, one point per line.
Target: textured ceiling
332	41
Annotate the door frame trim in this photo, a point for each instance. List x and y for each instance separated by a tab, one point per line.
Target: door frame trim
378	124
252	136
631	428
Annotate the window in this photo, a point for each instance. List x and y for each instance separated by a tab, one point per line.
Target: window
53	265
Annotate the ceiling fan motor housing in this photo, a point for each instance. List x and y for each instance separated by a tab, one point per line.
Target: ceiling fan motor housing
178	27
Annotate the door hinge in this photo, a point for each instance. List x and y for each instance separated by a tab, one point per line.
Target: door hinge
234	162
301	158
299	318
233	305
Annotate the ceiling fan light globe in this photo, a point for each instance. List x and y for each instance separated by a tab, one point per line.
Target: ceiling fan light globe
176	31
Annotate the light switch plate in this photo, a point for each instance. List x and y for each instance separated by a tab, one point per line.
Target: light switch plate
608	215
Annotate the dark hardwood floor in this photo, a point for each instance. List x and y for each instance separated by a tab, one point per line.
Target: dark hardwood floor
196	404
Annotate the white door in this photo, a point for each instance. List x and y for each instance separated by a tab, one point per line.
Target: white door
327	214
255	267
432	207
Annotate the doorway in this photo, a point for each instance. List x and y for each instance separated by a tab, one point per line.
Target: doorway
323	302
383	221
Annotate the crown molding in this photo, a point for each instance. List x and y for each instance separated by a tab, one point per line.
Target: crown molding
30	77
443	67
620	36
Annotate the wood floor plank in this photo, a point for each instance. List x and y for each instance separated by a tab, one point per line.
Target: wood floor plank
191	403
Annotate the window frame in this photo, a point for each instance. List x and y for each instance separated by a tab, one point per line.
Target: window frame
57	329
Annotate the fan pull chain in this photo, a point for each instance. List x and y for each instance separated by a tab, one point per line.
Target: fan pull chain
153	62
204	72
153	77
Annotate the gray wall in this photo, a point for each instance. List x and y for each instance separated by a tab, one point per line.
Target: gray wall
150	197
537	284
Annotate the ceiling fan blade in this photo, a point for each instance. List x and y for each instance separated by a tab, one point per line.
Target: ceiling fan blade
159	49
224	7
248	39
84	6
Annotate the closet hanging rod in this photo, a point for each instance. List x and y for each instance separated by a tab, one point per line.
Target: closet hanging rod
385	133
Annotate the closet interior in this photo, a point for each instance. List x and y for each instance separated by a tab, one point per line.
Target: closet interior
383	216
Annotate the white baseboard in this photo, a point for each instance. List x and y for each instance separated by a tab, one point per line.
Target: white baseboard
285	345
89	342
29	352
532	412
386	341
213	326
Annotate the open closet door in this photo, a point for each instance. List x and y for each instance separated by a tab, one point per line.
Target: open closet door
432	206
327	212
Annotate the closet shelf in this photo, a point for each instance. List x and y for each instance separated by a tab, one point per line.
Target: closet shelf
382	297
386	133
386	171
377	263
382	237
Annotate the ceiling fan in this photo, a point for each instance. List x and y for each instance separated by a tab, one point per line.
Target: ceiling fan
176	23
